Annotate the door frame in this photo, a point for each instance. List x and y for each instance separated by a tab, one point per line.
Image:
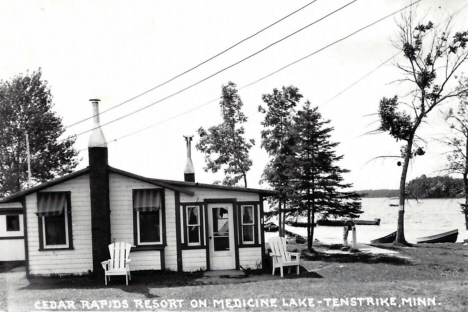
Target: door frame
232	201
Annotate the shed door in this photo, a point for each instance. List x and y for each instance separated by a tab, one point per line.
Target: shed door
221	236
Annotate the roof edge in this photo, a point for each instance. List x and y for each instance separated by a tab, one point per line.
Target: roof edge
45	185
148	180
222	187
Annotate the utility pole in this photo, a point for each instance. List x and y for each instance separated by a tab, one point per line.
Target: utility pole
29	161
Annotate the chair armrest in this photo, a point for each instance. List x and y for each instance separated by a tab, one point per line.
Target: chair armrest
104	264
275	255
295	254
128	261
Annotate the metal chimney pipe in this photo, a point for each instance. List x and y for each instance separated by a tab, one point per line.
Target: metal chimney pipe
96	139
189	172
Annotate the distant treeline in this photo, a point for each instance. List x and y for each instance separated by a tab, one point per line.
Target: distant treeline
378	193
423	187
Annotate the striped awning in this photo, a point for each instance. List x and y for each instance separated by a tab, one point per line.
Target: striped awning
50	204
147	200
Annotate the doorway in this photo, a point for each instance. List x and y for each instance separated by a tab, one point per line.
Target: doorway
221	236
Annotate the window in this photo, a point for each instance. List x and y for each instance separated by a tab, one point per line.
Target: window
54	214
148	216
12	223
193	225
248	224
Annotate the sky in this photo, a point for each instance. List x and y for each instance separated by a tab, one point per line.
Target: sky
117	50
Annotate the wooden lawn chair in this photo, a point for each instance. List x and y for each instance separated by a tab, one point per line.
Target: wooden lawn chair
119	263
281	257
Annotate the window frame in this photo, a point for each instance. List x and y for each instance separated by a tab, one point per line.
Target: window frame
6	223
201	220
187	225
256	224
137	245
68	227
242	209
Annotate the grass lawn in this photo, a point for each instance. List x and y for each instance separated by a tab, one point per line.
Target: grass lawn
436	275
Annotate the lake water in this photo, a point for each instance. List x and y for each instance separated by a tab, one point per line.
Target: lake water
422	218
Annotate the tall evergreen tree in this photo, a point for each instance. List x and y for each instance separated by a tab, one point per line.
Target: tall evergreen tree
316	178
224	145
277	123
26	108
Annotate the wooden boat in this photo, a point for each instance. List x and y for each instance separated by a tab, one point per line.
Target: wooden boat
390	238
447	237
298	224
367	222
270	227
343	222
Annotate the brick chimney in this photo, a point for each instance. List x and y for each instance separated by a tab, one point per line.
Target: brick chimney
99	187
189	172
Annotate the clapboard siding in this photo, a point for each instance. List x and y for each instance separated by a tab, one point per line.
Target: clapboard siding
121	206
194	260
76	261
250	257
202	193
145	260
171	248
12	250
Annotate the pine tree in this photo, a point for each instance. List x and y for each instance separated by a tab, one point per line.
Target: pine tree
316	178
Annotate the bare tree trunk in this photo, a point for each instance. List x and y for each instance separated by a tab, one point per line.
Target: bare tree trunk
309	230
280	228
400	238
465	182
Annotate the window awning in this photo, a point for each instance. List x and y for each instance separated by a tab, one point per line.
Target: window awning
50	204
147	200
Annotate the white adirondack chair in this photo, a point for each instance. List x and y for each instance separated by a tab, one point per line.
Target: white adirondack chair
281	257
119	263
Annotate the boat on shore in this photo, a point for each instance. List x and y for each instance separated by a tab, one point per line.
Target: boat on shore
446	237
387	239
324	222
270	227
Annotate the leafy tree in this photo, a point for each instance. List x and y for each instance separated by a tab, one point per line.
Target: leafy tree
432	56
26	108
458	142
277	123
224	145
435	187
317	180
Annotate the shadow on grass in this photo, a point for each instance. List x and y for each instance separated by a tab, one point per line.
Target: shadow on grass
140	283
355	257
143	281
6	266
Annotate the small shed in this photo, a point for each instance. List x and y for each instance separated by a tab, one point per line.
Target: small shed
11	232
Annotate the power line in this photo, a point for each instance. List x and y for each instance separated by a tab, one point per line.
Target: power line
250	84
331	44
196	66
220	71
372	71
359	80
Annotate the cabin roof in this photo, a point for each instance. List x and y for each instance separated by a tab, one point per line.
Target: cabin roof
219	187
42	186
169	184
151	181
